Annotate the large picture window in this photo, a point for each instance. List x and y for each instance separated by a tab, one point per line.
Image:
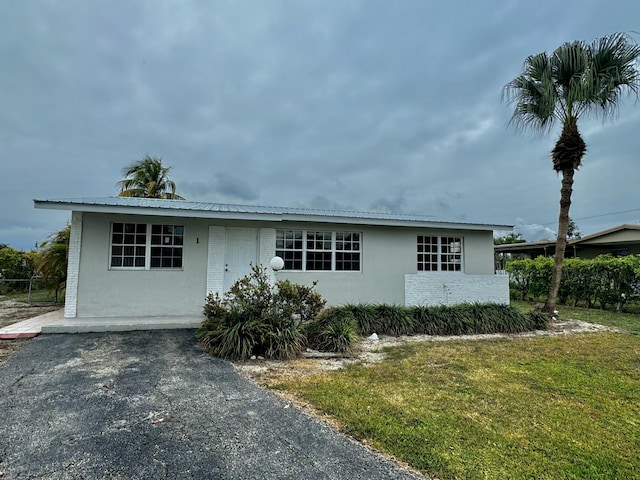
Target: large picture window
146	246
319	250
439	254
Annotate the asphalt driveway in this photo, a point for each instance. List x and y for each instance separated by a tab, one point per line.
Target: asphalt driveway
152	405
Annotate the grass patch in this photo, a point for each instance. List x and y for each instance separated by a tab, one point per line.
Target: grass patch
628	322
544	408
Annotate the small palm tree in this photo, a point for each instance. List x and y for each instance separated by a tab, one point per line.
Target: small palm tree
148	178
52	259
577	79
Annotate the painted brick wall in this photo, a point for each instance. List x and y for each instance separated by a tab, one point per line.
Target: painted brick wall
267	250
442	288
73	266
215	260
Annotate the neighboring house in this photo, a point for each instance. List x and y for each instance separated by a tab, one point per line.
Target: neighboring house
149	257
618	241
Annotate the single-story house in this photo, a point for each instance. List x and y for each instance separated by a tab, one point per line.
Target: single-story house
149	257
618	241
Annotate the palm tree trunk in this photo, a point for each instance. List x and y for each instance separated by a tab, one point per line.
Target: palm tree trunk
561	242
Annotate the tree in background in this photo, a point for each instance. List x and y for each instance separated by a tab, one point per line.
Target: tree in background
15	264
148	178
573	231
53	256
577	79
501	259
511	238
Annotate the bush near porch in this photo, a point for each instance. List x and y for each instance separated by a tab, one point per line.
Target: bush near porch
256	318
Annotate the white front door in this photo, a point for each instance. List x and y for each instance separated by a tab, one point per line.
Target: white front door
241	250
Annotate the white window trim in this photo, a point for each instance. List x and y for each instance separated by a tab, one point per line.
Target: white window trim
147	251
440	253
333	249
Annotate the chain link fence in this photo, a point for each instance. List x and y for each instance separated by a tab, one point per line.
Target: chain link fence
29	290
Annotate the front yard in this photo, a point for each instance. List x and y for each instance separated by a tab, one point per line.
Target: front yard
563	407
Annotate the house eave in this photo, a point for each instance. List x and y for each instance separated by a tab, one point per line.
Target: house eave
234	212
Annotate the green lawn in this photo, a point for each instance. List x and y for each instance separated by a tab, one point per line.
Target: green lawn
545	408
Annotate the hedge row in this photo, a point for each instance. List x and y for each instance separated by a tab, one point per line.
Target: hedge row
605	280
464	319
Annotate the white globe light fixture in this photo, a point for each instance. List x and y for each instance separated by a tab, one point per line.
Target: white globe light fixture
276	263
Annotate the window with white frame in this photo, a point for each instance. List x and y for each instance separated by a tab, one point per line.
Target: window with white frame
439	254
316	250
146	246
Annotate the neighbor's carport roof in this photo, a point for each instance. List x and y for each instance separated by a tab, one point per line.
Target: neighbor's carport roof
183	208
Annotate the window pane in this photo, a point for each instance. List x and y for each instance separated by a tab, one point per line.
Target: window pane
347	261
167	250
128	249
439	253
318	261
289	248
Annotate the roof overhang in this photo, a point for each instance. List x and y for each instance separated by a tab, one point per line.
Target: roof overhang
181	208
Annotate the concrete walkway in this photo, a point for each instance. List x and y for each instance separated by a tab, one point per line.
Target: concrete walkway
54	322
151	404
31	327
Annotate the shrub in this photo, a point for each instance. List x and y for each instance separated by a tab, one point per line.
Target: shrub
298	301
256	318
334	330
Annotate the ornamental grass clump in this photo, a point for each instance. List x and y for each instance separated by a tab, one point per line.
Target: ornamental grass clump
462	319
334	330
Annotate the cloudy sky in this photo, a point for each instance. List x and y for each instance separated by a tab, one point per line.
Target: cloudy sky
352	104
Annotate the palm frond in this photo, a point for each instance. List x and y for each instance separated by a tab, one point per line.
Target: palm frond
148	178
577	78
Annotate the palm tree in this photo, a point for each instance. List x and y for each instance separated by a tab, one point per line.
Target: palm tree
578	79
148	178
52	259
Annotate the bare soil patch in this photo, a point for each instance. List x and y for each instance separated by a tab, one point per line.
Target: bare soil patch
12	312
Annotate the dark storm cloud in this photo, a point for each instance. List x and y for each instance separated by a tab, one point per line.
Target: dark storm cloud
221	185
391	106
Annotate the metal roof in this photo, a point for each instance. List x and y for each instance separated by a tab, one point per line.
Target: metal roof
183	208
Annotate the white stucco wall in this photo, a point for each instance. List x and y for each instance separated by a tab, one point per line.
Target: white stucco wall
105	292
388	255
388	259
